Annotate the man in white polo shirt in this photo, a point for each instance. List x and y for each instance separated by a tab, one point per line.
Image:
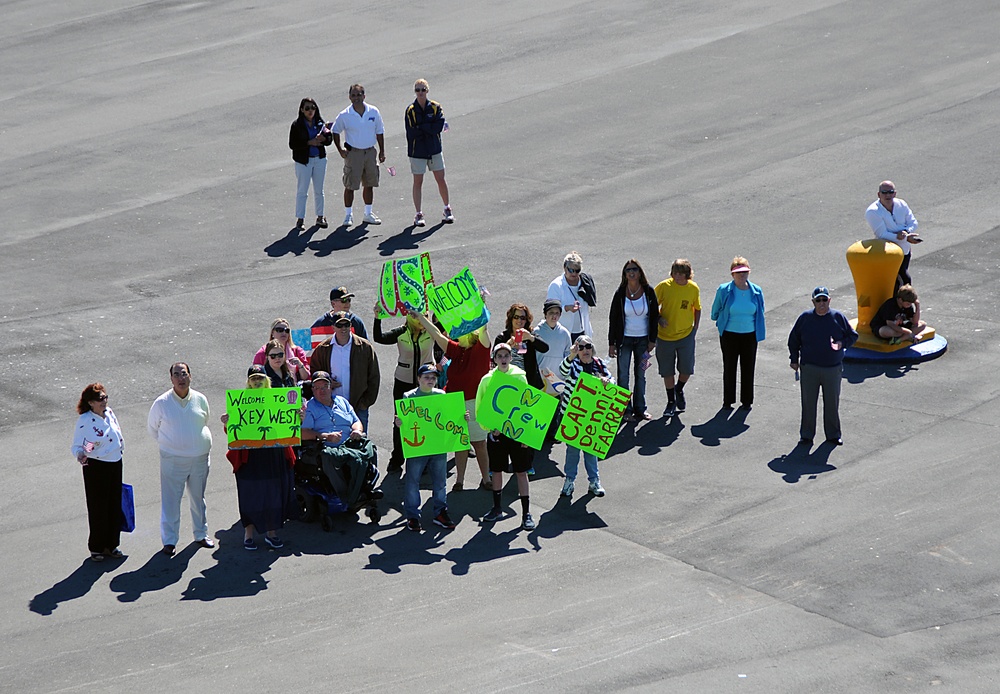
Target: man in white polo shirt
178	421
362	127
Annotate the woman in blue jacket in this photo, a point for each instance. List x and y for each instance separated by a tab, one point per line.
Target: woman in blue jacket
738	311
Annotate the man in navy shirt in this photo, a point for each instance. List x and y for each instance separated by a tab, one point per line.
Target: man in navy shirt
816	348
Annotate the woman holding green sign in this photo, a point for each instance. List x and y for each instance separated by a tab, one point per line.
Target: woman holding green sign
416	348
581	359
265	484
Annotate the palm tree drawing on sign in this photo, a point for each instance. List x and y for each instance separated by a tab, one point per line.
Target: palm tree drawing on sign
234	429
264	431
295	429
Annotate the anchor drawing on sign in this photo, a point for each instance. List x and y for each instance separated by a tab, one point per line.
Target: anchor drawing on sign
417	439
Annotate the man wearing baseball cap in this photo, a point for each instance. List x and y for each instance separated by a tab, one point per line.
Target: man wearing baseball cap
816	348
352	364
340	300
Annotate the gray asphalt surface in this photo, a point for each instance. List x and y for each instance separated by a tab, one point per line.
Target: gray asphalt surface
148	200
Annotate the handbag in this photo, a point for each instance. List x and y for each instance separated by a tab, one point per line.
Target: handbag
128	508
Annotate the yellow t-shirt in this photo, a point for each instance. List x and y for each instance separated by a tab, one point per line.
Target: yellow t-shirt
677	304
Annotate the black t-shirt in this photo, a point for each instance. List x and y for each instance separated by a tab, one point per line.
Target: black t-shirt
888	313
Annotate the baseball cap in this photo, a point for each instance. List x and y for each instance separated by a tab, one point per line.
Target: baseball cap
499	346
551	303
427	369
339	293
321	376
821	291
256	369
340	316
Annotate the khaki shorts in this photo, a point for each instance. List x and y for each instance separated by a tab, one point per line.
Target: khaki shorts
476	432
360	169
419	167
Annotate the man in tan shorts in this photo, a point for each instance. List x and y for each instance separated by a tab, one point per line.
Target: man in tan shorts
361	125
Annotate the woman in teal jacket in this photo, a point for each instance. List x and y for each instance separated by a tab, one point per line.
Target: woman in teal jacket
738	311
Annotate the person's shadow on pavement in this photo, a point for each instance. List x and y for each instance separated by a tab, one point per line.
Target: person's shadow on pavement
406	240
294	242
157	573
799	462
726	424
74	586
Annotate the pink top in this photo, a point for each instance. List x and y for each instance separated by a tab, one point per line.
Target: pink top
303	371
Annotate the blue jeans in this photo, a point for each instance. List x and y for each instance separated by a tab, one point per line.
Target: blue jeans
314	171
630	353
573	464
438	465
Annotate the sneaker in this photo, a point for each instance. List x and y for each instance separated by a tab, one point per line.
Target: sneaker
670	410
115	554
458	487
527	523
567	489
596	489
249	544
348	220
371	218
531	471
413	524
418	220
681	401
300	223
493	516
444	520
274	542
448	217
322	223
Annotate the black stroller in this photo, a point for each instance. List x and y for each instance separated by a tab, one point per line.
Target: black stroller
332	480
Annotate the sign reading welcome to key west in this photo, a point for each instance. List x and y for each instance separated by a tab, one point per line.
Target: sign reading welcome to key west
433	424
403	285
593	415
263	417
516	410
458	305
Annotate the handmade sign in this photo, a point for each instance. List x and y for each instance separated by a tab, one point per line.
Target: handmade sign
516	410
403	285
433	424
263	417
458	305
593	415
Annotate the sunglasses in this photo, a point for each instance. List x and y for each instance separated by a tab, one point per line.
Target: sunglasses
585	347
279	329
520	317
354	94
308	108
573	270
631	269
103	397
887	192
342	324
420	89
821	299
345	300
276	355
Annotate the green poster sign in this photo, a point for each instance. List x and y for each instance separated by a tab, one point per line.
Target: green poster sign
433	424
403	285
263	417
516	410
593	415
458	305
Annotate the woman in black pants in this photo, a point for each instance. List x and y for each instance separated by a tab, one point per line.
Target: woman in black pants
98	446
307	139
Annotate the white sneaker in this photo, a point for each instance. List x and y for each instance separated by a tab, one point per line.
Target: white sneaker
567	489
370	218
348	220
448	217
418	221
596	489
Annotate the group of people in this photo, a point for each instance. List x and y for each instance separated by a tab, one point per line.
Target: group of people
343	375
356	132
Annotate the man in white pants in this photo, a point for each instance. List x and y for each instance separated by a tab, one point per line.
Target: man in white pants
178	420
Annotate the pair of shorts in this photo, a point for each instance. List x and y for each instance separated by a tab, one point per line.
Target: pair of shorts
503	449
360	169
419	167
679	352
476	432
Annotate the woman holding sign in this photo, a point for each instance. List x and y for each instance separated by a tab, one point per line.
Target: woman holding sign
416	348
581	359
632	326
265	484
98	446
295	356
503	449
277	368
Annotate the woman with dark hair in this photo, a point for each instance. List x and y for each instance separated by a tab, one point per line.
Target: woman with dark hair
524	343
632	332
295	356
276	367
265	484
307	138
98	447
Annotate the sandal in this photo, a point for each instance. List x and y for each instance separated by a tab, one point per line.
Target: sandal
458	487
96	556
486	486
115	554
